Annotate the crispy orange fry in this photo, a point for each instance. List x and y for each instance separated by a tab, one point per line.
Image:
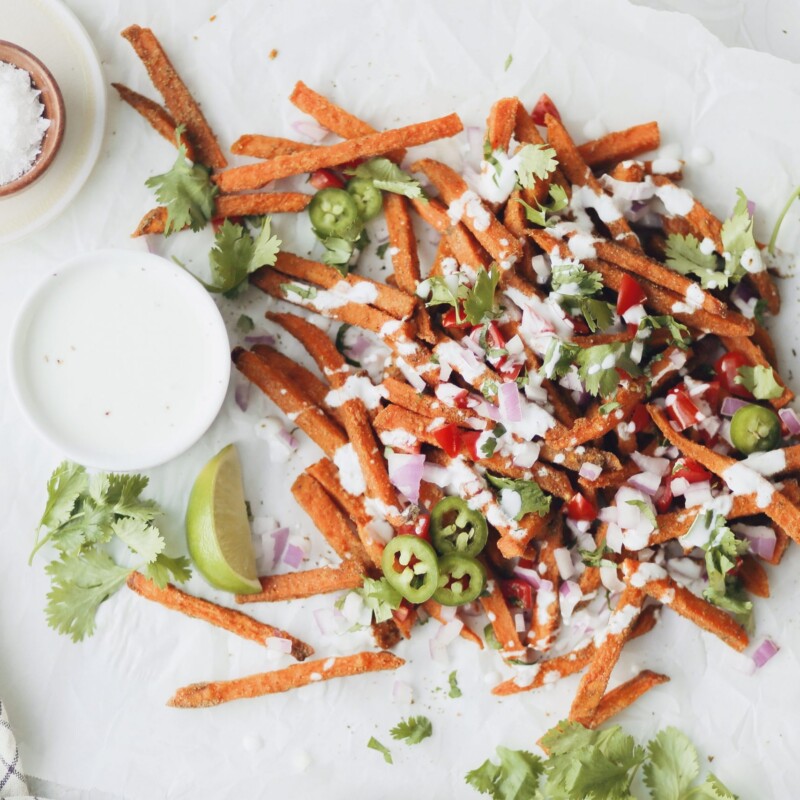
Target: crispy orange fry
159	118
203	695
331	521
233	205
398	303
767	291
681	600
770	501
501	123
227	618
328	114
253	176
621	145
291	400
546	615
701	221
326	473
496	608
308	583
179	101
624	695
762	338
753	576
354	313
253	144
593	684
755	356
499	242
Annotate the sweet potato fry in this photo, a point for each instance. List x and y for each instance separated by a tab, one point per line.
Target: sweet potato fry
331	521
226	618
754	577
501	122
159	118
253	176
681	600
499	242
203	695
328	114
701	221
624	695
621	145
327	474
607	651
308	583
179	101
767	291
253	144
546	616
291	400
496	608
233	205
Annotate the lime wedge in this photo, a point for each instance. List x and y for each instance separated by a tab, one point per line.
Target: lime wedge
217	529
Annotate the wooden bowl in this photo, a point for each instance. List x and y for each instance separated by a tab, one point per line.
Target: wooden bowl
53	103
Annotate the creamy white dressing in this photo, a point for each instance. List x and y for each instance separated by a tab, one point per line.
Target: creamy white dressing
742	480
122	360
646	572
677	201
350	475
357	387
768	463
469	205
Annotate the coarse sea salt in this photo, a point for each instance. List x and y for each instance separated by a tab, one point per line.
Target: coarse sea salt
24	123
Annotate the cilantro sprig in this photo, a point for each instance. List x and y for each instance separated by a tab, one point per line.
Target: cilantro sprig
236	254
186	191
683	254
388	177
598	765
83	514
533	499
760	381
474	304
534	161
412	730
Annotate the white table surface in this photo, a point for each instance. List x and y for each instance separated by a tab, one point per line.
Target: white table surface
770	26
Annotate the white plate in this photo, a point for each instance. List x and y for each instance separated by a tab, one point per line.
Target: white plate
52	32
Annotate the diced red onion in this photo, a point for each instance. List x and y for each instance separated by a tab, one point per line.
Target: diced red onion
287	439
449	632
470	609
608	514
280	538
279	644
569	596
764	652
489	410
475	142
751	207
433	473
411	375
293	556
242	395
730	405
402	693
405	473
678	486
590	471
647	482
762	538
563	559
790	420
438	652
519	622
698	494
261	338
508	399
310	130
660	466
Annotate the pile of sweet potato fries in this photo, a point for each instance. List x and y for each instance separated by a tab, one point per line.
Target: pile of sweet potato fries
582	448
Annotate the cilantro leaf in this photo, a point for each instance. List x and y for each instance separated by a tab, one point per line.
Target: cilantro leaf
534	500
712	788
683	254
607	408
646	510
559	358
571	278
380	597
245	324
388	177
516	777
413	730
381	249
539	216
374	744
597	313
338	252
479	301
534	161
165	569
598	365
302	291
66	484
236	254
141	537
454	689
507	64
672	766
737	236
760	381
596	557
678	332
79	585
186	191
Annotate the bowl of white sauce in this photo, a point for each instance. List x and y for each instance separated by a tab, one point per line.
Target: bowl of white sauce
120	359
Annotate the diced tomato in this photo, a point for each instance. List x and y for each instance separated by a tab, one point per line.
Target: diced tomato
727	368
580	508
681	408
450	320
579	325
713	395
630	294
640	418
326	179
469	442
216	222
511	369
449	439
544	106
401	613
663	498
690	470
419	525
518	592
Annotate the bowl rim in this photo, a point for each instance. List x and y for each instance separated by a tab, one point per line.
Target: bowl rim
159	453
44	81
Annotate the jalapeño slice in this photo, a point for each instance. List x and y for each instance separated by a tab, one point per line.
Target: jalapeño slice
334	213
368	199
457	528
755	429
409	564
461	580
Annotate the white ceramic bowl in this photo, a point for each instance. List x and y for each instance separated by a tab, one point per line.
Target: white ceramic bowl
121	359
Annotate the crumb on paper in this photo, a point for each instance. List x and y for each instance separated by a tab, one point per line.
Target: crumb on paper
212	17
273	54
